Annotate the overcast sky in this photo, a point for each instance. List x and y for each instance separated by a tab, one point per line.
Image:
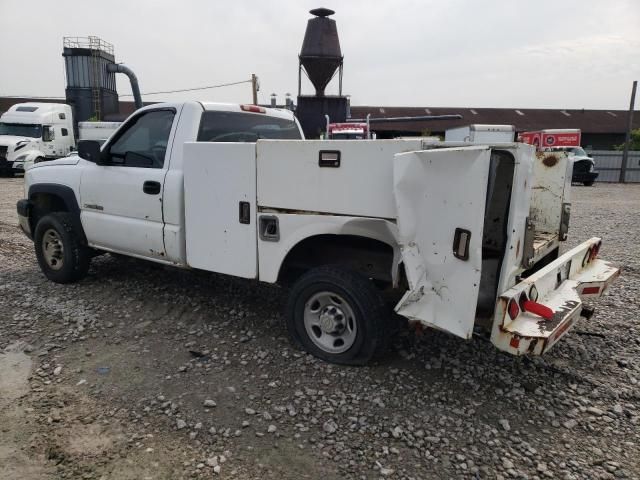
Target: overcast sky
491	53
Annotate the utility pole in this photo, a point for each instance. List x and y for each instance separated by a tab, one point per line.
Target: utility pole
627	140
254	88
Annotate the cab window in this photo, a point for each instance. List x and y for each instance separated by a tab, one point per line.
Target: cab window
143	142
218	126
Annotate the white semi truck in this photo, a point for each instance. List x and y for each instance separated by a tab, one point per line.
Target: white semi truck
462	238
35	132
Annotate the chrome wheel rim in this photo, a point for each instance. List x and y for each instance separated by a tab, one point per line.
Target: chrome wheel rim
53	249
330	322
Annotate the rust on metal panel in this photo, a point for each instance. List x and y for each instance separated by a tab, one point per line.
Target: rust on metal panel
550	160
532	346
558	316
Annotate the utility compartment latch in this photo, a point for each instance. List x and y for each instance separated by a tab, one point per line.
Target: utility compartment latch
268	228
527	249
564	221
244	213
461	241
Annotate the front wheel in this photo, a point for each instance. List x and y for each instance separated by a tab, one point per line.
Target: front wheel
588	184
59	248
338	315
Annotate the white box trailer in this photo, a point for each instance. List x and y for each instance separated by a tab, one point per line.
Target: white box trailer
479	133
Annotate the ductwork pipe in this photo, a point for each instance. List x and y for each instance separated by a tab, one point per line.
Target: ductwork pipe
135	88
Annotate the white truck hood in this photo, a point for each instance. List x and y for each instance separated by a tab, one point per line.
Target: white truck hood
8	140
70	160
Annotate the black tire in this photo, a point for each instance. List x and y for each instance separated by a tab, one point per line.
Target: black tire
73	258
371	315
588	184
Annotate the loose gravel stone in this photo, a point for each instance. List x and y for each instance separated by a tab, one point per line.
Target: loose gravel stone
435	406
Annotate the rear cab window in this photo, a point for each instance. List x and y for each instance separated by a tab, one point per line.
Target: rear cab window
216	126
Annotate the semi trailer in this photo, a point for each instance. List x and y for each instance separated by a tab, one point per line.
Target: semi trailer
36	132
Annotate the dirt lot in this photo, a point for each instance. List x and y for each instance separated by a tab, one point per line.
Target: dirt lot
146	372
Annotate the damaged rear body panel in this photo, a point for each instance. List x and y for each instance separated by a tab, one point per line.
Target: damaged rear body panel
437	192
479	229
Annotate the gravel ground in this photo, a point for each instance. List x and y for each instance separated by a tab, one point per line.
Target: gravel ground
142	371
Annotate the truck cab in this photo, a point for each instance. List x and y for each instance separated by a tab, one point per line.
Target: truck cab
34	132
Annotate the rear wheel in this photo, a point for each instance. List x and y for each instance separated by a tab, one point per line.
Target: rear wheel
58	243
338	315
588	184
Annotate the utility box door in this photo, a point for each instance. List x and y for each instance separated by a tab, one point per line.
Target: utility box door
441	196
220	207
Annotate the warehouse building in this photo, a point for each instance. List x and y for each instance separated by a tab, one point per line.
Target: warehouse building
601	129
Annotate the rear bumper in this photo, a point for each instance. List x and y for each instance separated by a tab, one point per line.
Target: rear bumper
584	176
562	286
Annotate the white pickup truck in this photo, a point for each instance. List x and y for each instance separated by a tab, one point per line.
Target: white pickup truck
465	237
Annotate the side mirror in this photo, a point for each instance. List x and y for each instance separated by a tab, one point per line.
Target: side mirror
90	150
47	133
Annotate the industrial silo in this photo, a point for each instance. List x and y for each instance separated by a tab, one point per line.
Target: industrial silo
320	58
91	86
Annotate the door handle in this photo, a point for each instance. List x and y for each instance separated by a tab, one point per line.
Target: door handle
151	187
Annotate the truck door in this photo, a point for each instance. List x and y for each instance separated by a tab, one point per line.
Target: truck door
121	202
440	199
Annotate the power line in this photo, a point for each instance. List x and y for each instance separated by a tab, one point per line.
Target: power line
32	97
192	89
147	93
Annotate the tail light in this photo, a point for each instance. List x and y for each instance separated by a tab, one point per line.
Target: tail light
524	304
252	108
513	309
591	254
537	309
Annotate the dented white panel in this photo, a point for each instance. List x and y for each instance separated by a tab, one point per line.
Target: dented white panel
217	177
436	192
551	170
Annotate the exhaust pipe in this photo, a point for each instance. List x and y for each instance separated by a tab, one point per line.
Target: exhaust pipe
135	89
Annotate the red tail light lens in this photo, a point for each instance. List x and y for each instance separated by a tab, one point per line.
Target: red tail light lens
537	309
252	108
513	309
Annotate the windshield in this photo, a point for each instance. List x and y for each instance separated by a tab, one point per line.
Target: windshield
21	130
245	127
